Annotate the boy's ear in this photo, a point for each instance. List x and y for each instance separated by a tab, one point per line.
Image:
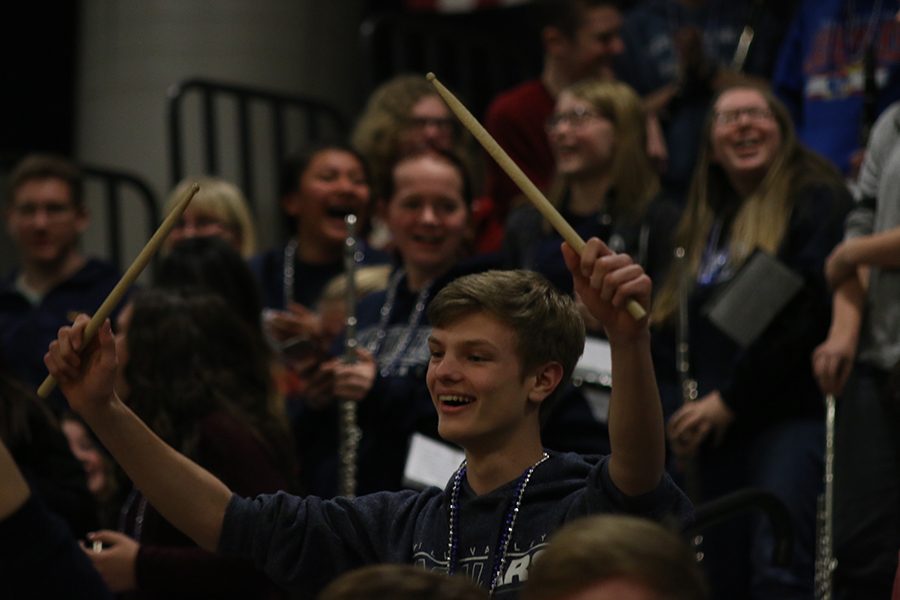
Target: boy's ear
547	378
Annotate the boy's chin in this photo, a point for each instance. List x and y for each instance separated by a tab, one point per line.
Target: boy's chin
448	435
451	434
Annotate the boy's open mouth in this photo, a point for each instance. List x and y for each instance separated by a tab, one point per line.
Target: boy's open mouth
454	400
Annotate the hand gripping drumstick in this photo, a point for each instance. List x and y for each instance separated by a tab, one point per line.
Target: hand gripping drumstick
128	278
520	179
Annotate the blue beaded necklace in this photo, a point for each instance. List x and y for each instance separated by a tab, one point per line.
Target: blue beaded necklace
509	522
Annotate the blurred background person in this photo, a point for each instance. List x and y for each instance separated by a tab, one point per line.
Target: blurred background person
32	435
605	185
757	418
680	53
320	186
102	479
428	214
401	582
856	362
838	68
403	115
219	209
39	556
195	372
46	216
616	557
213	265
580	39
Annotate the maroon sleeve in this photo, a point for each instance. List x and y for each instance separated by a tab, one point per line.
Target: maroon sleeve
516	121
231	452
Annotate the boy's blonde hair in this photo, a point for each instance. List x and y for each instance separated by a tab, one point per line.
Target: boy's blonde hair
546	322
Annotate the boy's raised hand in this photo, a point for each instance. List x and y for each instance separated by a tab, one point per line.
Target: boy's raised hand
605	281
86	375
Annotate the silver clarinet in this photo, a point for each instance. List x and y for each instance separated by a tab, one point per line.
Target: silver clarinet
825	560
349	431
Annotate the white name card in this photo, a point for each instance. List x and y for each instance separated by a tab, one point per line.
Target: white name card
430	462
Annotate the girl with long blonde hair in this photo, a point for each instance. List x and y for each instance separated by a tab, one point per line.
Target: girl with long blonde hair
751	413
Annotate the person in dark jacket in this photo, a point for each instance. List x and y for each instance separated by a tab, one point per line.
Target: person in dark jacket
39	557
752	413
46	216
605	185
32	435
319	187
199	376
428	214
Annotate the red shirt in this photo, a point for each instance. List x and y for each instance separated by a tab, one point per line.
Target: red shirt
516	120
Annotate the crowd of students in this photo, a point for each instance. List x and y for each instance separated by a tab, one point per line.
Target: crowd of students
206	414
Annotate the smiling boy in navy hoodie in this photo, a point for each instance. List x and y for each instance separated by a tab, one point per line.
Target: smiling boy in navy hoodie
502	342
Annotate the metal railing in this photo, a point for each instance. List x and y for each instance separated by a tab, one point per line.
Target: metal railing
117	186
241	119
748	500
477	55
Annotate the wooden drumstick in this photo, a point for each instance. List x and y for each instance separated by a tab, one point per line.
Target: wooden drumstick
128	279
528	188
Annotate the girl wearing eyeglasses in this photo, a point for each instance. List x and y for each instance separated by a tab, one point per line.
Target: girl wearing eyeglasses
755	417
605	186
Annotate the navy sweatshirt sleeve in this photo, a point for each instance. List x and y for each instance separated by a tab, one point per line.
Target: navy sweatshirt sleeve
305	542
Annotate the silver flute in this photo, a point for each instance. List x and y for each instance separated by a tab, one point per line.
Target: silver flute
825	560
349	430
689	387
